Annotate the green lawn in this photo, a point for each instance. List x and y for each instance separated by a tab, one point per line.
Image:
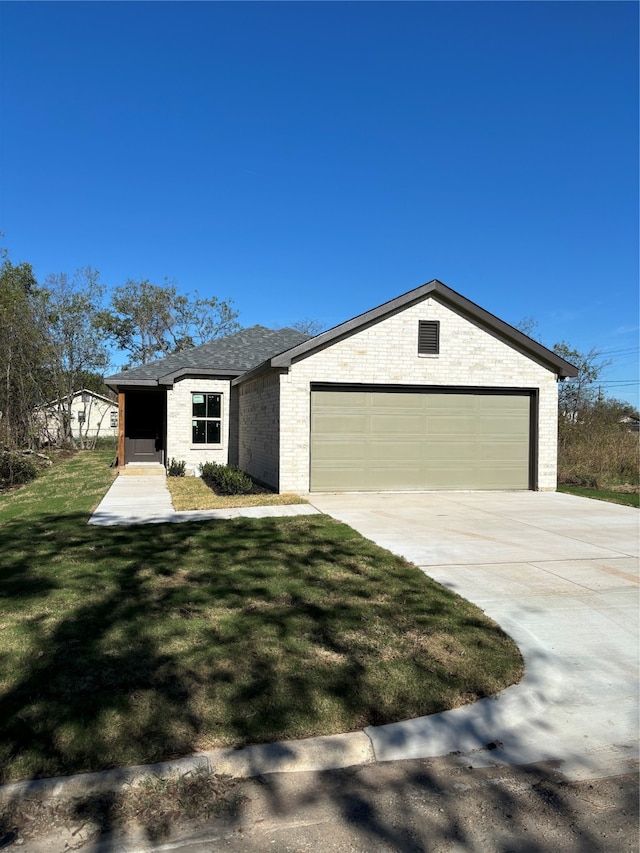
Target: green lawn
137	644
626	498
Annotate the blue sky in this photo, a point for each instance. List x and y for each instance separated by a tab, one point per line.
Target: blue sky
317	159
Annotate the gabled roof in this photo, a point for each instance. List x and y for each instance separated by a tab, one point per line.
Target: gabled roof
231	355
95	394
444	294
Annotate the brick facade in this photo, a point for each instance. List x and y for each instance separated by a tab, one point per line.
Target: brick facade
259	428
179	417
386	352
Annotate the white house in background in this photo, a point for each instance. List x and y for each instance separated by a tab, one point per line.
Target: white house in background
91	414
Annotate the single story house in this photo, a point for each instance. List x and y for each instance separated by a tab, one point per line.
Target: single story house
90	415
427	391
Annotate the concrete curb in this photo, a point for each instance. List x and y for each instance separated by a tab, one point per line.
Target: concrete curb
320	753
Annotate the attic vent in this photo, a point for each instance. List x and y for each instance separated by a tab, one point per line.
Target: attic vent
428	337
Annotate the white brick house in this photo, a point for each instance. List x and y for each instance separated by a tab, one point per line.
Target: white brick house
427	391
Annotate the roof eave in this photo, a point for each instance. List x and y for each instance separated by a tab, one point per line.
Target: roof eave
253	372
130	383
170	378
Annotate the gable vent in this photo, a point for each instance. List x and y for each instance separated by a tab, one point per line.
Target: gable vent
428	337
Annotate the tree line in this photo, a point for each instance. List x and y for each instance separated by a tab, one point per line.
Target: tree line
56	338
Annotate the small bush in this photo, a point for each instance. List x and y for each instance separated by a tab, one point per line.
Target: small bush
226	479
16	469
176	468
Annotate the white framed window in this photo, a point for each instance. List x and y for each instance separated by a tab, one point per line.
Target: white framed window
113	419
206	418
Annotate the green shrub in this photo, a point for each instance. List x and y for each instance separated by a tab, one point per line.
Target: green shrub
16	469
176	468
226	479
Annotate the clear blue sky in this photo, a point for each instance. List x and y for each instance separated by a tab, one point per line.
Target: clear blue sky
316	159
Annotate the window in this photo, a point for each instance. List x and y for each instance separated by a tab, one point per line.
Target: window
206	410
113	419
81	417
428	337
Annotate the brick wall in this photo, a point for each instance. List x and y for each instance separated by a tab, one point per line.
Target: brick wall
179	417
387	353
259	422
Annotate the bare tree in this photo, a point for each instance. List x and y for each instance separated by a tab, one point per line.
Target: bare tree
76	345
308	326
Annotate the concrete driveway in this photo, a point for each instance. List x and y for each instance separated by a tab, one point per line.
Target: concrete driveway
560	575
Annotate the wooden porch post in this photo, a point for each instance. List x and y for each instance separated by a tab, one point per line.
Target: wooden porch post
120	429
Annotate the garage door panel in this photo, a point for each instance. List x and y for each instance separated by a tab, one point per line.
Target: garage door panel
415	441
345	423
502	403
442	450
399	423
394	451
406	477
382	401
449	425
339	449
513	452
339	479
502	477
340	401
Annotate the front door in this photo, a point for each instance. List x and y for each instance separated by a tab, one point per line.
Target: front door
144	426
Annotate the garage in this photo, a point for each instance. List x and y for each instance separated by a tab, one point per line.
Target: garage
414	439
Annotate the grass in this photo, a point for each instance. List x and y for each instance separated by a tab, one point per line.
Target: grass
611	495
188	493
137	644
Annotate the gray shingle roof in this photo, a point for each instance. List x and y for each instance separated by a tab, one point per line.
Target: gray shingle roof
234	353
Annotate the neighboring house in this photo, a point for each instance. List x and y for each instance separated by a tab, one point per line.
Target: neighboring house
427	391
91	415
631	423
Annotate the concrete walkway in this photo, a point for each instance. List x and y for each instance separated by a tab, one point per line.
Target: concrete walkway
145	499
557	572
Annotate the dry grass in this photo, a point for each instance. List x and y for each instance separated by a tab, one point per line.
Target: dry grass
597	455
156	804
189	493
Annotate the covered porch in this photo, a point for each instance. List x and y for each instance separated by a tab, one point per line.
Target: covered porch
142	426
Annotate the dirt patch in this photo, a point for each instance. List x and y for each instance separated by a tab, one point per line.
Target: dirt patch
154	806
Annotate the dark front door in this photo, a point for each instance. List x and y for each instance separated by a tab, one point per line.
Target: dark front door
144	426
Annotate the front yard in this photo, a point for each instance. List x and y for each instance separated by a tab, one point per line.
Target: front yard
137	644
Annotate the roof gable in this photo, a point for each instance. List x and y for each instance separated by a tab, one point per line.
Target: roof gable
75	394
449	297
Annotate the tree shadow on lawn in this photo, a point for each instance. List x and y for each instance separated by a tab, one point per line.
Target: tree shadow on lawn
145	643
